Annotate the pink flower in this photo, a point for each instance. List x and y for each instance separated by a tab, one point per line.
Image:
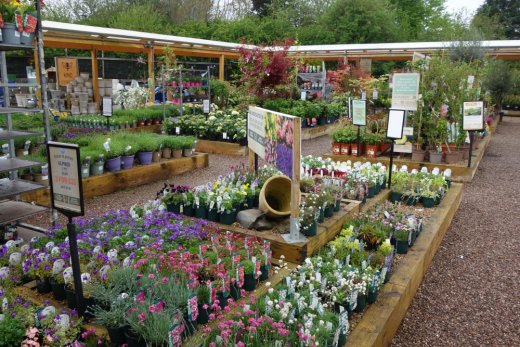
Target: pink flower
241	344
151	276
205	306
165	280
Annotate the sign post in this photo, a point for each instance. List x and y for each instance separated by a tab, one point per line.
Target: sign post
275	137
359	118
67	197
107	109
405	91
67	70
394	131
472	120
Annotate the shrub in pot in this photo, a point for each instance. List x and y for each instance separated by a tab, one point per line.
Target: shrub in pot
113	319
249	275
402	237
12	331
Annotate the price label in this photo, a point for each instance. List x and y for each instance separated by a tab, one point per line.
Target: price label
177	130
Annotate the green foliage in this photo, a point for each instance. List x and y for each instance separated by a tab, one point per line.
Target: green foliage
249	267
499	80
203	294
508	14
11	331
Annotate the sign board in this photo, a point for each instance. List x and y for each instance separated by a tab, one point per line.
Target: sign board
359	112
473	115
271	135
405	91
65	178
107	106
205	106
405	144
365	65
395	124
67	70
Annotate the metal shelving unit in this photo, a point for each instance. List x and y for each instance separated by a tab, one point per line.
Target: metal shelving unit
12	210
315	77
180	88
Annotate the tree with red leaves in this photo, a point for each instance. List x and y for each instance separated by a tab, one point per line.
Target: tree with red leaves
267	71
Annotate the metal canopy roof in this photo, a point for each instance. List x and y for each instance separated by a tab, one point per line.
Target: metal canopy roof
66	35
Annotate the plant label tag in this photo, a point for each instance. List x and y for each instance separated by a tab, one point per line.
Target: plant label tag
303	96
177	130
224	136
409	238
364	264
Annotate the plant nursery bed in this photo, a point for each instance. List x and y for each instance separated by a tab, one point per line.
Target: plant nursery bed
318	131
29	292
382	319
155	128
198	340
111	182
219	147
297	252
459	172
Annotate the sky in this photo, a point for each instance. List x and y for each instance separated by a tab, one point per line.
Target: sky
456	5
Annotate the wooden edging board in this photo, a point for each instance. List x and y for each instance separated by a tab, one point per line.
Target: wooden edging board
219	147
297	252
318	131
381	320
111	182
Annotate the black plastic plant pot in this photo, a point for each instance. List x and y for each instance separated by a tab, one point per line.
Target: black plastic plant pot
201	212
44	286
387	276
191	327
437	199
203	316
89	305
174	208
71	298
312	230
133	340
117	336
411	201
402	246
227	218
395	197
250	202
265	272
235	292
372	296
321	216
428	202
213	215
256	201
329	211
58	290
377	188
188	210
222	300
249	282
361	303
371	192
337	206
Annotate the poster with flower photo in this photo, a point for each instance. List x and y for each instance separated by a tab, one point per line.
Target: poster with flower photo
271	136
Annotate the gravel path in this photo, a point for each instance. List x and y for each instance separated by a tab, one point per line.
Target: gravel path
470	294
218	165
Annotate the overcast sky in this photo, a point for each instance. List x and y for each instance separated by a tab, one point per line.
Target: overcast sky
456	5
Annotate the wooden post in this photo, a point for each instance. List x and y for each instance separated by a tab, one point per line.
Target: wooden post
38	82
221	68
251	160
295	187
95	75
151	76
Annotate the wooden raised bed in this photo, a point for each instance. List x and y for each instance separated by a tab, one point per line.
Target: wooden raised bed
142	174
219	147
297	252
381	320
318	131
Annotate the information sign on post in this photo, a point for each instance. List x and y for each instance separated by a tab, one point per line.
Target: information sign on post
405	91
107	106
394	131
205	106
359	112
67	197
472	120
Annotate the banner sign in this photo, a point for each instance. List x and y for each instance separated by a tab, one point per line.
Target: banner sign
65	178
473	115
405	91
395	124
359	112
67	70
271	135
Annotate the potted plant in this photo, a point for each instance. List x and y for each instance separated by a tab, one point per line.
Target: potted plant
127	160
399	184
307	220
337	137
173	202
204	301
249	275
200	203
58	286
113	151
371	141
12	331
97	166
113	319
188	144
401	237
147	144
188	199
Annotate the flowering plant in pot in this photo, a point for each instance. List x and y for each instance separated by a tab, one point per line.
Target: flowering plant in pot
402	237
127	159
307	220
249	275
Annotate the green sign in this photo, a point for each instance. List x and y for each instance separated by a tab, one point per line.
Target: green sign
359	112
405	91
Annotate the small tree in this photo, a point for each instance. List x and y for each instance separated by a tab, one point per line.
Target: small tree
498	80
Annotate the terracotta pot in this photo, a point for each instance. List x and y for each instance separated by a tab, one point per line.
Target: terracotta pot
345	149
336	148
354	149
371	151
435	157
453	157
156	157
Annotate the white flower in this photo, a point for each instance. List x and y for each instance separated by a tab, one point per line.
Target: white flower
270	290
268	284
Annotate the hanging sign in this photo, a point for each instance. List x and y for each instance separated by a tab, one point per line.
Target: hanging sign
395	124
65	178
405	91
67	70
359	112
473	115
